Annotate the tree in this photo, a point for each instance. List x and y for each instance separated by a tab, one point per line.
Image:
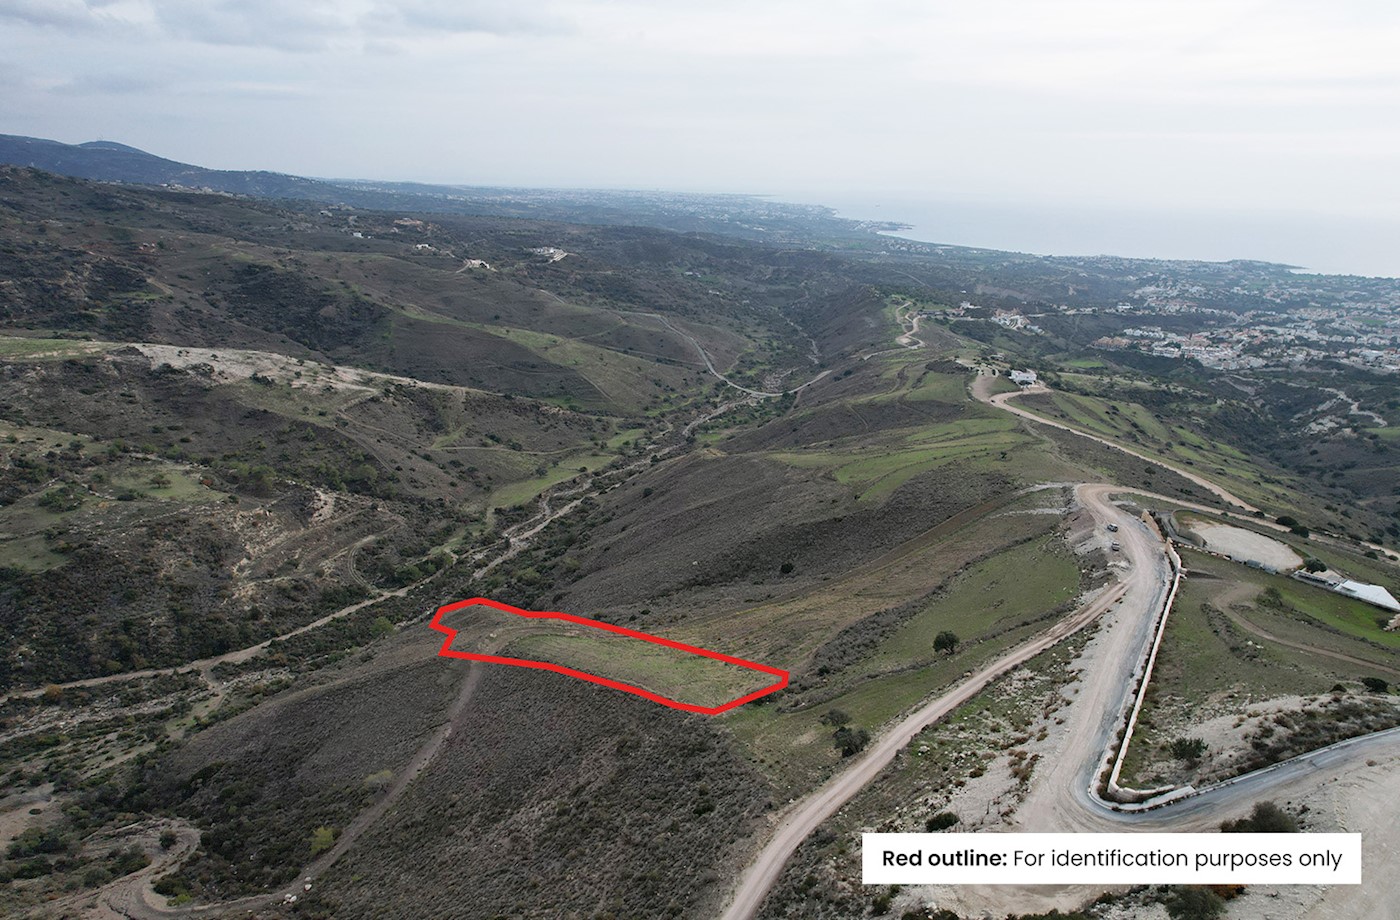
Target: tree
1375	684
1315	565
946	641
850	741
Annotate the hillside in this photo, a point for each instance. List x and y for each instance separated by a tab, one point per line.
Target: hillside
250	445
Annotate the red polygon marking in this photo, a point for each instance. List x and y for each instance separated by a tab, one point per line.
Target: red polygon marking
448	652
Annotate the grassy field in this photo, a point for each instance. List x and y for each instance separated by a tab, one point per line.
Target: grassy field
520	492
989	604
991	732
1214	661
1175	444
32	349
677	675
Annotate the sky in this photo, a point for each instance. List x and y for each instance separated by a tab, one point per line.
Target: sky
1147	114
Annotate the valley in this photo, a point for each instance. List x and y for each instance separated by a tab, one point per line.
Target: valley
248	451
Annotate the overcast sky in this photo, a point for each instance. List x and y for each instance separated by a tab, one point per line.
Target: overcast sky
1181	105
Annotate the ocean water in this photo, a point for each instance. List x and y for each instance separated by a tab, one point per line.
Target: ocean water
1325	244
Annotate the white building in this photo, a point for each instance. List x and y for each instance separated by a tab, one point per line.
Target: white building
1371	594
1023	378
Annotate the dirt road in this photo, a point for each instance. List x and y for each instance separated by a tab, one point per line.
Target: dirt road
812	810
714	372
981	391
1063	796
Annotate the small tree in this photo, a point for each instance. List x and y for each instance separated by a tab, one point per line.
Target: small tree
1375	684
850	741
1189	750
1315	565
946	641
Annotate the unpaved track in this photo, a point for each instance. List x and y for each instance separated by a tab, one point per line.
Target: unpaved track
134	898
1062	796
714	372
812	810
1003	401
1244	624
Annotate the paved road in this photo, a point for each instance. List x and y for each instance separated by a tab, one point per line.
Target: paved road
794	827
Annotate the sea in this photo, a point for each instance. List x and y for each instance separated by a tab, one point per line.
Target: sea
1323	244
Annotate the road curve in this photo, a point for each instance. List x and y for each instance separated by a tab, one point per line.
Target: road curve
1003	401
714	372
801	820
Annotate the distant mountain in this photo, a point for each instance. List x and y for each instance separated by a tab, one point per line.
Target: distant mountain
744	216
108	161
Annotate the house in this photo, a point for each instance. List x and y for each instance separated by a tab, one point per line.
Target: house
1371	594
1023	378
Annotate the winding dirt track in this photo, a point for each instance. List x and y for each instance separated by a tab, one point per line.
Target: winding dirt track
1063	796
1142	586
1003	401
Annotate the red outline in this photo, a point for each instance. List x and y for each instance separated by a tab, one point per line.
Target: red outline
448	652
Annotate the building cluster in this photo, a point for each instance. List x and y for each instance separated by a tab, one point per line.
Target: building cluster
1282	340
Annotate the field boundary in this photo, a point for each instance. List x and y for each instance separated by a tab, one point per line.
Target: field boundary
448	652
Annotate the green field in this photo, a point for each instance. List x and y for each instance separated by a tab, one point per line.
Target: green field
677	675
991	605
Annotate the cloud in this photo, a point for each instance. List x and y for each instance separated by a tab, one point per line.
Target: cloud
60	14
287	26
111	84
430	18
311	25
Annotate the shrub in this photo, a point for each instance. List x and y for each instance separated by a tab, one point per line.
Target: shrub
850	741
1189	750
1375	684
322	839
1266	818
940	822
1193	902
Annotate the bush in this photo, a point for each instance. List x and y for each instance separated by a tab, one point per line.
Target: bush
940	822
1193	902
1189	750
1375	685
1266	818
322	839
850	741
